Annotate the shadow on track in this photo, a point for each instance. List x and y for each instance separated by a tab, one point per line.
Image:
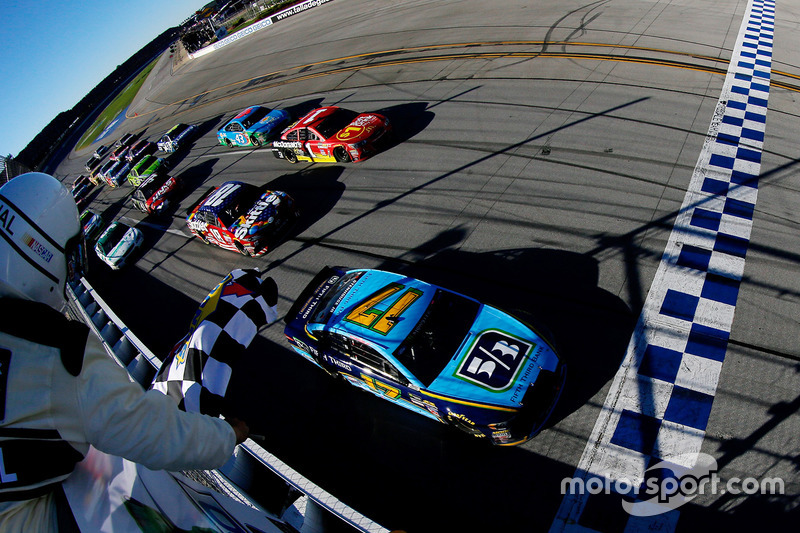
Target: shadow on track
296	111
416	467
316	190
407	121
555	290
141	312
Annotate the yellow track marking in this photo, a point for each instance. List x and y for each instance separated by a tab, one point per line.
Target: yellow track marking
475	55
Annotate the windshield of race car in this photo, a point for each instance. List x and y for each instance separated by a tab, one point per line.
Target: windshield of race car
438	335
112	238
254	117
245	197
147	188
326	305
335	122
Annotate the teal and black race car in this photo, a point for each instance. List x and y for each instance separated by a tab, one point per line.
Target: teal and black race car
253	127
434	351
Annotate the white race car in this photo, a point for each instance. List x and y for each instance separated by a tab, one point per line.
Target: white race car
118	243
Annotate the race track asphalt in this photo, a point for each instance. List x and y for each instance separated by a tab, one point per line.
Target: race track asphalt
542	153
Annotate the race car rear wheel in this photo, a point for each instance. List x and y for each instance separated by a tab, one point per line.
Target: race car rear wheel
255	140
341	155
290	156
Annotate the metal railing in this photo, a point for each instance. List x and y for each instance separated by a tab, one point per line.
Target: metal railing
251	467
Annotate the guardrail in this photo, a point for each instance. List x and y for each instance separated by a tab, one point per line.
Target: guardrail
252	467
261	24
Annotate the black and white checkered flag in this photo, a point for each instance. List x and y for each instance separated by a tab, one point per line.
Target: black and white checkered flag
197	371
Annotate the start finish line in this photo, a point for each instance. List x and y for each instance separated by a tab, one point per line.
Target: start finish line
658	406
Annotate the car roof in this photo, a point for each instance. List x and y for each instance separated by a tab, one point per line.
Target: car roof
367	285
237	189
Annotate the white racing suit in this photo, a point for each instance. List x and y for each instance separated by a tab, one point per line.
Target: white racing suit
61	392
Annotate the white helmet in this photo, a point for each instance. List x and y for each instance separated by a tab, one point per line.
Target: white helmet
41	245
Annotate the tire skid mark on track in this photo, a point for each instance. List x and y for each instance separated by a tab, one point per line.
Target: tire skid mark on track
700	63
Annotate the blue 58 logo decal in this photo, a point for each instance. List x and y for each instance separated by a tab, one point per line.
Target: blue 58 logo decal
494	360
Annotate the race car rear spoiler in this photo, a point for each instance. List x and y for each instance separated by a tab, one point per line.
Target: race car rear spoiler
320	280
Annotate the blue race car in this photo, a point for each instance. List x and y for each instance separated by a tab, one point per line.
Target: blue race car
179	136
116	175
253	127
433	351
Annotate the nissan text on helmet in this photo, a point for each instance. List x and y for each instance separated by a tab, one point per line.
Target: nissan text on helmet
41	239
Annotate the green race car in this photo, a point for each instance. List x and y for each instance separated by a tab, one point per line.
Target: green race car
149	165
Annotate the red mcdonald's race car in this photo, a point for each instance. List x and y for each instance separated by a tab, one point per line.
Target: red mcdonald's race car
332	134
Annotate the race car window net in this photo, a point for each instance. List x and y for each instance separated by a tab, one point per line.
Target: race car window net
437	336
364	355
207	216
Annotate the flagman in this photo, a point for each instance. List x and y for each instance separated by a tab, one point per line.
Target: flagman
59	391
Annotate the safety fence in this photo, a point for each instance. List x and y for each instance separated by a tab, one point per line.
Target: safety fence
259	25
252	471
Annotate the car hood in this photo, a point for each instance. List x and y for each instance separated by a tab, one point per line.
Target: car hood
498	360
362	127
